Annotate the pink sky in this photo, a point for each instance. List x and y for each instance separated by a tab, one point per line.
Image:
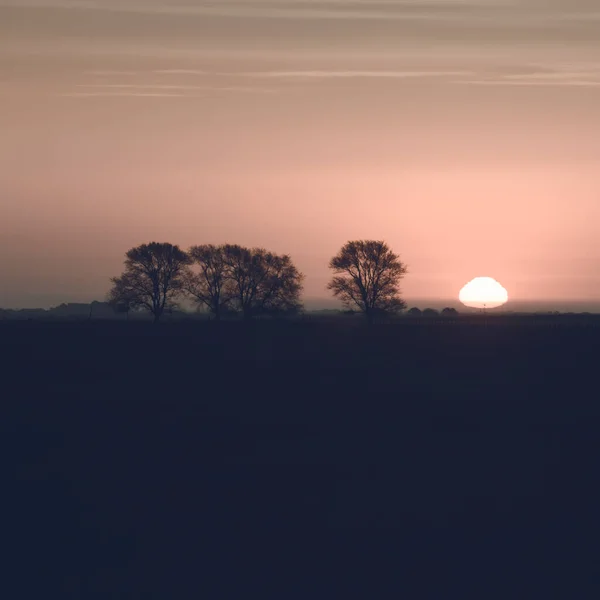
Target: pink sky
465	135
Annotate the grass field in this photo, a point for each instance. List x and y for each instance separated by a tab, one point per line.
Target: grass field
219	460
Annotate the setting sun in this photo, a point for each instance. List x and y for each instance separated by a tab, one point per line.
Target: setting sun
483	292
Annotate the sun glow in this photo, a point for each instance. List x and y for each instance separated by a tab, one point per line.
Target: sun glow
483	292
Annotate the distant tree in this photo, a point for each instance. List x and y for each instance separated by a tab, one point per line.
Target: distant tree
122	306
212	286
94	305
430	312
414	312
449	312
262	282
123	296
367	275
153	278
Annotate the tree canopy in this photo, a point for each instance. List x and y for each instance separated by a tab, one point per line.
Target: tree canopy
211	286
262	282
153	278
367	275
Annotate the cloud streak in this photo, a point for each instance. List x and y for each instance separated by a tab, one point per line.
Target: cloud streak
589	77
458	11
111	73
529	83
179	72
354	74
155	91
559	77
108	73
150	86
118	95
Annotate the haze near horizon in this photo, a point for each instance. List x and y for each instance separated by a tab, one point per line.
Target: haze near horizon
464	134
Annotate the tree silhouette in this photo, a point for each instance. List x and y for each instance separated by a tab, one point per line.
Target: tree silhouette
124	297
93	304
153	278
414	312
211	286
121	306
430	312
367	274
449	312
262	282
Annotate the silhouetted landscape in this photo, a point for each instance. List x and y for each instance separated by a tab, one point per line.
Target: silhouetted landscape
201	423
223	456
300	299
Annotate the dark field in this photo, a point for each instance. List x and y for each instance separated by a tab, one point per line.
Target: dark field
302	459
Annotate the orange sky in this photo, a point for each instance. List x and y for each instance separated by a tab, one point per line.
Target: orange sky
464	134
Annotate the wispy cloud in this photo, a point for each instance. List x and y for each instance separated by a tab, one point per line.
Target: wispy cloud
141	86
117	95
240	89
410	10
530	83
108	73
565	76
355	74
323	9
119	90
179	72
550	77
181	88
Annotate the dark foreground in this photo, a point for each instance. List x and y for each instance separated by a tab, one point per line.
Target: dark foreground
301	460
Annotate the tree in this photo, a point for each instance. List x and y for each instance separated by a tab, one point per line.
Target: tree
153	278
449	312
430	312
414	312
262	282
211	286
367	274
120	306
92	305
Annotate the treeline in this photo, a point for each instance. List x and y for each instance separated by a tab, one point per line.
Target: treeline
231	279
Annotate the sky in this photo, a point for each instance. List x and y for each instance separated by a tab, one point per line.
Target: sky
463	133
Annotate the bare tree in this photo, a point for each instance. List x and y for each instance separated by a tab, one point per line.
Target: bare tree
263	282
367	274
281	287
153	278
211	286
